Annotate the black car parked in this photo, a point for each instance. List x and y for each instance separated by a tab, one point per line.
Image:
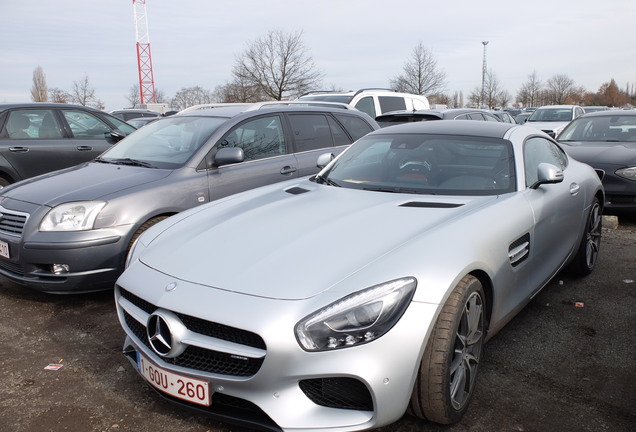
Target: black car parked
36	138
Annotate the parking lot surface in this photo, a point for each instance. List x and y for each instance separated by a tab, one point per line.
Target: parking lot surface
565	363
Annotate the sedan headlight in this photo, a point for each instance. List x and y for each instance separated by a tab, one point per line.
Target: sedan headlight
358	318
74	216
628	173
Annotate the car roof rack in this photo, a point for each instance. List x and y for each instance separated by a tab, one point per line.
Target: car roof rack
374	88
347	91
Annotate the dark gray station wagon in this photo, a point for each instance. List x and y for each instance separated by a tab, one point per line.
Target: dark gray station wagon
36	138
69	231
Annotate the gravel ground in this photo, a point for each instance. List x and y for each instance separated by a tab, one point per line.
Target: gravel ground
556	367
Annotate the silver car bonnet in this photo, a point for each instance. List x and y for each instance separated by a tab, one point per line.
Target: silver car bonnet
276	244
83	182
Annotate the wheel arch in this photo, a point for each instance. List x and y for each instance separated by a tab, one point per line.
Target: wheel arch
486	284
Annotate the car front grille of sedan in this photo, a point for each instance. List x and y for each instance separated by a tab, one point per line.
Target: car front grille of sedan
196	358
12	222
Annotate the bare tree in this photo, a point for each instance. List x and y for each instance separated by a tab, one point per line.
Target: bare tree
134	97
187	97
610	95
238	91
83	93
278	65
59	96
560	89
530	90
39	91
420	75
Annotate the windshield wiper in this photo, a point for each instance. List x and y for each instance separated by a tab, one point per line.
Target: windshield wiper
397	190
326	180
131	162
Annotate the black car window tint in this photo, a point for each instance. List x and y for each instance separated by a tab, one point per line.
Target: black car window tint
86	125
259	138
311	131
391	103
356	126
366	105
340	137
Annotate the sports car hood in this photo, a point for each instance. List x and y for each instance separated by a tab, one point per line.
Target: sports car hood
555	125
596	153
85	182
288	244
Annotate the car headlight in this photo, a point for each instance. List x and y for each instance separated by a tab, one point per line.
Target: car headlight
358	318
74	216
628	173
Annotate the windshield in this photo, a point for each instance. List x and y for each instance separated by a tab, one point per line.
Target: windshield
167	142
424	164
551	115
606	128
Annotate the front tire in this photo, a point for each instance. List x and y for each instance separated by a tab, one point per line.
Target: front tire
448	372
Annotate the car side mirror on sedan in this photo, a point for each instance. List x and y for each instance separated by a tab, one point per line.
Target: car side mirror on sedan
547	174
117	135
324	159
228	155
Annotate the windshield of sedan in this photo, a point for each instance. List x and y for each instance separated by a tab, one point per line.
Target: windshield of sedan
165	143
425	164
551	115
606	128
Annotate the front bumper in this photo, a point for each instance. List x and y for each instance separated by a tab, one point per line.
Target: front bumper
348	389
94	258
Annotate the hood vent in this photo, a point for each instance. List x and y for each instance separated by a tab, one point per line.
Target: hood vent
422	204
296	190
519	250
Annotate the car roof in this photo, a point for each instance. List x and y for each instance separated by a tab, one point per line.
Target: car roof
6	106
474	128
608	113
232	111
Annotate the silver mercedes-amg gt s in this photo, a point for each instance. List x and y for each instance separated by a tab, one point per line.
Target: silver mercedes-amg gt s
342	301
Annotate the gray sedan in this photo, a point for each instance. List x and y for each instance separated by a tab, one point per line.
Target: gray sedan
341	301
69	231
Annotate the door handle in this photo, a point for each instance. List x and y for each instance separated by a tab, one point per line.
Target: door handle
84	148
19	149
287	170
574	188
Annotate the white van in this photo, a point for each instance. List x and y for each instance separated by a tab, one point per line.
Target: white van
372	101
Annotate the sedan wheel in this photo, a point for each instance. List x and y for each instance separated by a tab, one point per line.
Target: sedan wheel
448	371
585	259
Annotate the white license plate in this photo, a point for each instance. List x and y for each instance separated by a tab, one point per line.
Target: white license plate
4	249
182	387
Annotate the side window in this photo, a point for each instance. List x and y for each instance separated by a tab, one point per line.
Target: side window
391	103
366	105
32	124
356	126
311	131
85	125
462	117
419	104
340	137
259	138
539	150
492	119
476	116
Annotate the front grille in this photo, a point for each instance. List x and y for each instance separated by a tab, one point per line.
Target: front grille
12	222
198	358
343	393
11	267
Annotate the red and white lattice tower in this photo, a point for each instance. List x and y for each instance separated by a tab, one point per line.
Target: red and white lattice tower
144	59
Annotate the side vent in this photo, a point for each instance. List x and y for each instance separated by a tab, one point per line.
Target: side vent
422	204
519	250
296	190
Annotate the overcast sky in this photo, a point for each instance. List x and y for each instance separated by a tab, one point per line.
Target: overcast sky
354	43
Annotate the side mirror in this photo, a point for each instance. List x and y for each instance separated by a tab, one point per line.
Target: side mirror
324	159
228	156
547	174
117	135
